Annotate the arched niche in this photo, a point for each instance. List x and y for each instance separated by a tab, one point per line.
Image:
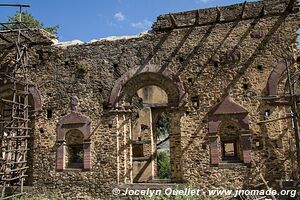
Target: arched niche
128	84
220	116
74	122
35	106
34	99
277	74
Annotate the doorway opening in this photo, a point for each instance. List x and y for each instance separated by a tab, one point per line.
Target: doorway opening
163	156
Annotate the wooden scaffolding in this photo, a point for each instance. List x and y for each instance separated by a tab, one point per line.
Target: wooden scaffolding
14	116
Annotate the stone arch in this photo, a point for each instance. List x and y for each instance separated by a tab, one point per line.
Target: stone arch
137	78
277	73
74	140
125	93
35	103
74	120
227	123
35	99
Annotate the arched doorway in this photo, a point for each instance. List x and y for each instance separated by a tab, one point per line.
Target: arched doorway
139	99
35	105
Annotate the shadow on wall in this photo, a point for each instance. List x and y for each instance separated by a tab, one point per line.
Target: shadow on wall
258	51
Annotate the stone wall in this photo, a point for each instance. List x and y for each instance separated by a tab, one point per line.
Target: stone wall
230	51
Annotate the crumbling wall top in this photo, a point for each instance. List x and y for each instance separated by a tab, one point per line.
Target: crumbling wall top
36	36
246	10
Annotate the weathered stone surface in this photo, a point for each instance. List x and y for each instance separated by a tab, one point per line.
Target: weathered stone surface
101	73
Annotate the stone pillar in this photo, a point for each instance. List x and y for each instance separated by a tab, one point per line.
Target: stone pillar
213	126
60	157
87	161
214	149
124	162
175	146
246	147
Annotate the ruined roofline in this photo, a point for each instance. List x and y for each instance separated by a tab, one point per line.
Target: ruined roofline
241	11
66	44
30	35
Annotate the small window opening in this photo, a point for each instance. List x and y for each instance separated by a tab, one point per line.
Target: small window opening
260	67
190	80
181	59
49	113
74	146
246	86
195	101
257	143
42	130
230	143
116	70
229	150
76	155
216	64
267	113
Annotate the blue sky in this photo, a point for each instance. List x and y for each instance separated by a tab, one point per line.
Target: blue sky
93	19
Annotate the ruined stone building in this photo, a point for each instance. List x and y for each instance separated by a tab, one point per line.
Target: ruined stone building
216	73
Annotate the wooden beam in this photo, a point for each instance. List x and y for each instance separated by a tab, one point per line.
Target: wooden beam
173	21
15	5
243	9
272	120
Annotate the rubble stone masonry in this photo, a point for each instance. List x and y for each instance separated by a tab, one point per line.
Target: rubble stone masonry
214	65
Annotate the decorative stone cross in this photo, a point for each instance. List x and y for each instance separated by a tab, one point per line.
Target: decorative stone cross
74	103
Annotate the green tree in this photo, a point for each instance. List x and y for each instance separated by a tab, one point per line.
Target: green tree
162	125
163	164
31	22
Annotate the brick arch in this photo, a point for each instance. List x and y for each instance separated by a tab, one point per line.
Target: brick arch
136	78
276	75
35	99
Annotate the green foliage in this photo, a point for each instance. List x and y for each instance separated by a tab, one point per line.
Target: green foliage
83	66
82	69
31	22
163	165
79	157
298	193
48	196
25	197
162	125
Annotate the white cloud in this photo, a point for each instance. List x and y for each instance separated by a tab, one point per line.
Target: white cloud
119	16
144	25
